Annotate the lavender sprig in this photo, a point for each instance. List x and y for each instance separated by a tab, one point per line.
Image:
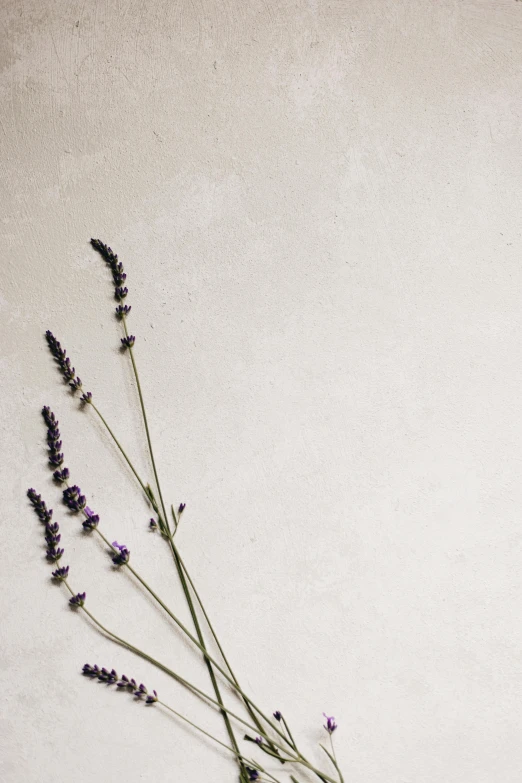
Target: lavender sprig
51	530
118	275
64	363
111	678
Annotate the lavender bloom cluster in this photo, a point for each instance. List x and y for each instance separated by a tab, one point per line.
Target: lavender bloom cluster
128	342
52	530
77	600
64	363
111	678
72	496
330	724
52	539
121	557
54	444
118	275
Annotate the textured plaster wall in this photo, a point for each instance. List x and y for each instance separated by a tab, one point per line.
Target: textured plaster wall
318	207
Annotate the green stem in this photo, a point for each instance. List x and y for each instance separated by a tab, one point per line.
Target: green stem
175	550
292	741
188	597
118	444
183	576
145	421
189	635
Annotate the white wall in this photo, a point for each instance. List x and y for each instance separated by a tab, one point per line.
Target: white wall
318	208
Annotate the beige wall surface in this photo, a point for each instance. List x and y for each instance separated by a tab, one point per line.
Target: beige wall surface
318	209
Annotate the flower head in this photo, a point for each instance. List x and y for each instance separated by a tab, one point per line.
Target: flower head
152	698
90	671
278	715
54	444
61	574
253	774
330	724
64	363
91	521
77	600
52	529
122	555
43	513
87	397
122	310
181	508
153	525
73	498
61	476
128	342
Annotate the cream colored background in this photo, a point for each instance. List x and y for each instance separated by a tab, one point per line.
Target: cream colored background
318	207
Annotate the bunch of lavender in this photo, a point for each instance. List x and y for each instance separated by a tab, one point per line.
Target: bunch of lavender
270	733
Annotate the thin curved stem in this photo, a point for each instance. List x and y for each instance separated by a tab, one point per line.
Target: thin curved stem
145	421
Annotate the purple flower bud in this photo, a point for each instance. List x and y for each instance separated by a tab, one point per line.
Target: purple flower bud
259	740
76	384
278	715
151	698
253	774
153	525
91	523
73	498
122	556
61	573
61	475
128	342
86	397
181	508
330	724
110	677
122	310
90	671
53	554
77	600
120	293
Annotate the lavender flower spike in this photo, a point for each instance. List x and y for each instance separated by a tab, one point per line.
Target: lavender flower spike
278	715
77	600
118	275
122	556
52	529
54	444
64	363
330	725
